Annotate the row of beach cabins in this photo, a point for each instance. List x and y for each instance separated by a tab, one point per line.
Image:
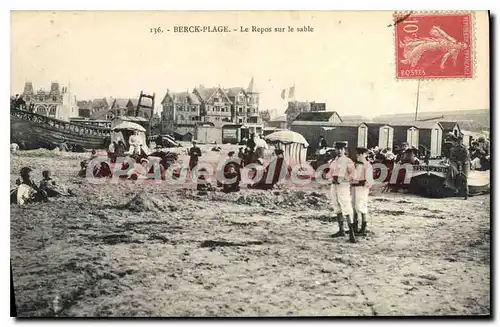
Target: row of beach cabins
370	135
313	125
429	134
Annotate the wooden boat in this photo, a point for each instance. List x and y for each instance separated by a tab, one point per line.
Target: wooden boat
429	180
36	131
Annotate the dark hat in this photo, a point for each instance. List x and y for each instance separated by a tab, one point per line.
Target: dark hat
412	150
230	153
361	150
481	139
25	171
278	151
451	137
340	145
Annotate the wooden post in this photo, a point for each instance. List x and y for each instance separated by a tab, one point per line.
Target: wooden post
416	106
152	114
138	105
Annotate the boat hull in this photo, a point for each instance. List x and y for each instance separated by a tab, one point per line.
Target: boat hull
36	131
429	180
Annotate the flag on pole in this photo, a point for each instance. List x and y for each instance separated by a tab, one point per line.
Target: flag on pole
291	92
283	93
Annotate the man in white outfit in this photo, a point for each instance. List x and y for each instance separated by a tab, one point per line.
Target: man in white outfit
135	143
341	173
361	184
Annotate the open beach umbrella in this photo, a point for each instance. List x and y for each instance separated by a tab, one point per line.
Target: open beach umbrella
126	125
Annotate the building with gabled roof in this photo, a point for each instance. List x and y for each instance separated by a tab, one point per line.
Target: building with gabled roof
215	105
99	104
120	106
180	111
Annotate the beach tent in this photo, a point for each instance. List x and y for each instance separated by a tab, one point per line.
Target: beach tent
123	131
293	144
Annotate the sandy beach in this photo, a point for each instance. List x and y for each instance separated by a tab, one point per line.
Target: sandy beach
172	252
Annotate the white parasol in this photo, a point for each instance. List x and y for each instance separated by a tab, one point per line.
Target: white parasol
287	137
126	125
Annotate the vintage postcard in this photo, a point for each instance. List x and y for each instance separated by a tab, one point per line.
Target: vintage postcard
250	164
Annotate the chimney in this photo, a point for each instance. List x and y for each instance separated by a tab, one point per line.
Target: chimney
54	88
28	88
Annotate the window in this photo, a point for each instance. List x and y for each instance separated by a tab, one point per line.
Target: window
193	108
240	109
41	110
181	117
240	120
180	108
52	111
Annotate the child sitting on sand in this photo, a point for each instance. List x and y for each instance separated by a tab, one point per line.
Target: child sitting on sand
27	191
49	186
204	184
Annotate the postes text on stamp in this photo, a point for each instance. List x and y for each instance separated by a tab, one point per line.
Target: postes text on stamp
433	46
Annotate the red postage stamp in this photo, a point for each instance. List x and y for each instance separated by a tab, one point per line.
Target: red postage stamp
433	45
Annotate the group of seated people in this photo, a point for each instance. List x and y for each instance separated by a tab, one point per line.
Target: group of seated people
480	154
27	191
403	154
232	174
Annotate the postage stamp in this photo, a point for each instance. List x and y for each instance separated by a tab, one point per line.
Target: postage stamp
433	45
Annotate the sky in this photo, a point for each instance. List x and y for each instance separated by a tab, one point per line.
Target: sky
348	61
